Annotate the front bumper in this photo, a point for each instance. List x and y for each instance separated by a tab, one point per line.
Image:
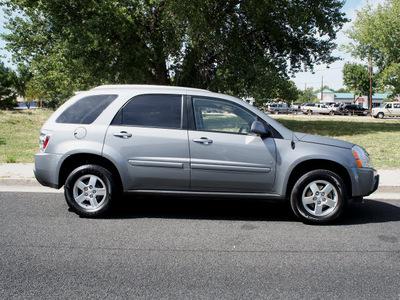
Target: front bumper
365	182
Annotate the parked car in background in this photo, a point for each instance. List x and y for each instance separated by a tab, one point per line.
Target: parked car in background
316	108
306	108
155	140
278	108
334	107
295	106
387	109
352	109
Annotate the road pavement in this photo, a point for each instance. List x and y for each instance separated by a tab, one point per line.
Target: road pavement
157	248
165	248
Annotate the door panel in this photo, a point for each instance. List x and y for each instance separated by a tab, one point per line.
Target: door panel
148	141
396	109
232	163
154	158
225	157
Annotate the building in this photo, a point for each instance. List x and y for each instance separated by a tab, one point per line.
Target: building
348	98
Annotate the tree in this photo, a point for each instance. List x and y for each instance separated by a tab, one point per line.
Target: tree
8	96
287	91
376	39
308	95
239	47
342	90
357	79
21	81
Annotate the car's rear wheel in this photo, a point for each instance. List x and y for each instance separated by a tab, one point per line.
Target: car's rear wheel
89	190
318	197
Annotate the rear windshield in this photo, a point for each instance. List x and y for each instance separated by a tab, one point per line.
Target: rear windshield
86	110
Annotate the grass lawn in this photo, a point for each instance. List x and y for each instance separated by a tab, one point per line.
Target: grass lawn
19	134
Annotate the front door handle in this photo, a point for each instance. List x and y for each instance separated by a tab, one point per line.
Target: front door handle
123	134
203	140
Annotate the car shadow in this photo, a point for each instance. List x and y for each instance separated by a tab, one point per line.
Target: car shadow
200	208
370	211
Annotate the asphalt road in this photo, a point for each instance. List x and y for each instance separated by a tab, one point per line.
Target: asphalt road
193	249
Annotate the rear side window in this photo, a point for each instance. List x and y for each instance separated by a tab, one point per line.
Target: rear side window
161	111
86	110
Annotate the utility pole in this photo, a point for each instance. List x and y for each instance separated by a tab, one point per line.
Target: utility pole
305	90
322	88
370	85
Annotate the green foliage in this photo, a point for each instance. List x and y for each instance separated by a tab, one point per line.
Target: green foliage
342	90
8	97
356	78
375	35
11	159
308	96
245	48
287	91
21	81
248	48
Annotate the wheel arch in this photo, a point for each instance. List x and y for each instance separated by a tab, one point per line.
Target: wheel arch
317	164
74	161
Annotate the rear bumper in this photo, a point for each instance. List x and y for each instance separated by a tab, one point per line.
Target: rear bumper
46	169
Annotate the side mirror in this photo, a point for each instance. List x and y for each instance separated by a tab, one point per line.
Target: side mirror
258	128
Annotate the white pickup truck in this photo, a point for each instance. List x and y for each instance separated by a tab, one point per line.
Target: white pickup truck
388	109
316	108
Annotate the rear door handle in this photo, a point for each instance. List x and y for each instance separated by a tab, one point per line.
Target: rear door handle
203	140
123	134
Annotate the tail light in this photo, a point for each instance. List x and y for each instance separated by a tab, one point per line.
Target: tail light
44	139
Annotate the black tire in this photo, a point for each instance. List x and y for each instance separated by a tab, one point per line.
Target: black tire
311	203
89	190
380	115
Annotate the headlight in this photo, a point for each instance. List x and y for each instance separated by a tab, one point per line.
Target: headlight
362	157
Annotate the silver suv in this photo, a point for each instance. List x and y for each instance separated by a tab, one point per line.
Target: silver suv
115	140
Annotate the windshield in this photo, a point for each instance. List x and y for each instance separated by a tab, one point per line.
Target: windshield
382	105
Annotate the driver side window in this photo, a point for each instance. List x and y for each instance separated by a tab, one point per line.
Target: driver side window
221	116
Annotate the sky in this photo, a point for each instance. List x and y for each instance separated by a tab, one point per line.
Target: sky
331	76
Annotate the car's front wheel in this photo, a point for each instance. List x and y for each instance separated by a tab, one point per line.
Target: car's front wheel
318	197
89	190
380	115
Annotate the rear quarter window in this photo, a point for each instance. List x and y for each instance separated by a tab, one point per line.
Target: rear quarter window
86	110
